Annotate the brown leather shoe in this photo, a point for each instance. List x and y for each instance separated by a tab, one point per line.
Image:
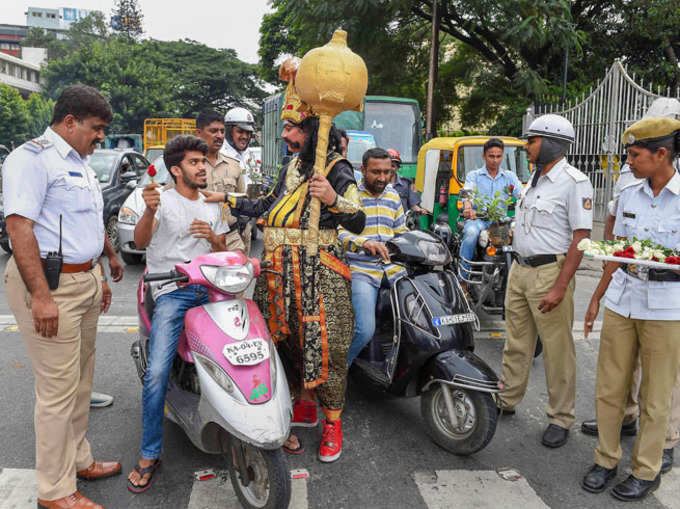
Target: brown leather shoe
75	501
100	470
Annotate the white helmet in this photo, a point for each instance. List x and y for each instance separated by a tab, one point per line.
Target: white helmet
551	126
240	117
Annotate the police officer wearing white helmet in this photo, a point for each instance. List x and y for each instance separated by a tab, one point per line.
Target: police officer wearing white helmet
554	214
239	126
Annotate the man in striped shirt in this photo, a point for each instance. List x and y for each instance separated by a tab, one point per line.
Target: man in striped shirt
366	252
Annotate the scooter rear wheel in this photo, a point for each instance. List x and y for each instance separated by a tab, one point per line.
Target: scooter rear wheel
269	486
476	414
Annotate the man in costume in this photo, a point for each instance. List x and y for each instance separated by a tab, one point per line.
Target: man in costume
307	300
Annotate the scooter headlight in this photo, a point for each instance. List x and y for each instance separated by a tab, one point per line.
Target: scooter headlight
229	279
436	253
219	376
127	216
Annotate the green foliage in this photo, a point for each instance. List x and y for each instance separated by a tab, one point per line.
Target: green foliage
40	110
496	56
152	78
493	208
13	116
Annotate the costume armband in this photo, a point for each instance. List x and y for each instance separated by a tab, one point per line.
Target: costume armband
349	203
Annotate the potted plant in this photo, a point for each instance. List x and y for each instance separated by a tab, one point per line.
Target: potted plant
495	210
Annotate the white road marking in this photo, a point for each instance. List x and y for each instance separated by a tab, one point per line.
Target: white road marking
481	489
494	329
218	492
18	488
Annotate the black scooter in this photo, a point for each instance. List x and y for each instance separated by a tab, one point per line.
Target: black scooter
423	346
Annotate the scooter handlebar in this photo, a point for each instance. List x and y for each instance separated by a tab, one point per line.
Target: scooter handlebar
165	276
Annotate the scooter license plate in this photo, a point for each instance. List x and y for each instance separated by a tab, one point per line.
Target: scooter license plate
453	319
246	353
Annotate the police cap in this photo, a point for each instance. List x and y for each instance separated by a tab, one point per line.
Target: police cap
650	130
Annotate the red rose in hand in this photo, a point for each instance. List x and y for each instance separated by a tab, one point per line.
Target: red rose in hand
151	171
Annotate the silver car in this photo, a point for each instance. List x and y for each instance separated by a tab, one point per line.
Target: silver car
132	210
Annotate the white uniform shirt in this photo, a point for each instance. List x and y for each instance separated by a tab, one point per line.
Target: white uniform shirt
626	178
46	178
547	214
642	215
171	242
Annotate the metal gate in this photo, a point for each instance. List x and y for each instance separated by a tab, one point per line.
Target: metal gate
599	120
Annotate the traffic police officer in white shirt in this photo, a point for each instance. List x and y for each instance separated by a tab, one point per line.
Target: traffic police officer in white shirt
554	214
661	107
54	207
642	314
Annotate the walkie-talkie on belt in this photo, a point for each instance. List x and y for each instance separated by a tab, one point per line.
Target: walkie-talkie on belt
53	264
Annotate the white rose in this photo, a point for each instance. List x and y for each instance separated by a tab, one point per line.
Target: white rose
637	246
584	245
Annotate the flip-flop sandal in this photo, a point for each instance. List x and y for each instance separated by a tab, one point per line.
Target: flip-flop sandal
142	472
299	450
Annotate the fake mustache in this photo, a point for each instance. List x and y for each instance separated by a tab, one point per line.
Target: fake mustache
291	144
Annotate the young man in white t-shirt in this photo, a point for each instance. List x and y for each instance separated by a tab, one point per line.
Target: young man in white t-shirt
177	225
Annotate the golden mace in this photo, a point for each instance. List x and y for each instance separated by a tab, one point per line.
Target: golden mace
331	79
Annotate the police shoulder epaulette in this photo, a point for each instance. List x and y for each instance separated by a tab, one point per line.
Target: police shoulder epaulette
636	182
577	175
37	145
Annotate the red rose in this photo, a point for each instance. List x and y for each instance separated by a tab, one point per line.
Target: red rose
512	188
617	253
655	259
630	250
151	171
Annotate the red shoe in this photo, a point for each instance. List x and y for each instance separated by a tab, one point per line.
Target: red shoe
331	441
304	414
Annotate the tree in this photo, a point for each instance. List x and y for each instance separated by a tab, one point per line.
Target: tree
156	78
496	57
14	127
40	110
127	18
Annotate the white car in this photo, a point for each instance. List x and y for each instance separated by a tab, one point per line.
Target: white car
132	210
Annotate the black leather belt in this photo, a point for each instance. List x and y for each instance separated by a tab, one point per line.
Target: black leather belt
651	274
536	261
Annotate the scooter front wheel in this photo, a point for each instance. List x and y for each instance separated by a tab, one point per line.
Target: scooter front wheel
475	419
262	481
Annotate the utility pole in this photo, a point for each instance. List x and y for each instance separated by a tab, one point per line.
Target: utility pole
434	64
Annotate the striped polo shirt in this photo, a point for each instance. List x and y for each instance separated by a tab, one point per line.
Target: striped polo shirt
384	219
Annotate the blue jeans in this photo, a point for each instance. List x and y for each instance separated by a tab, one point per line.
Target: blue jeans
471	232
364	299
167	323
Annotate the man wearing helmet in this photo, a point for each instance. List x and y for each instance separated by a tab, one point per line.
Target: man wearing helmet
410	200
552	217
239	126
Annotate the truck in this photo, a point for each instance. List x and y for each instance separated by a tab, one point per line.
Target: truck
394	122
158	131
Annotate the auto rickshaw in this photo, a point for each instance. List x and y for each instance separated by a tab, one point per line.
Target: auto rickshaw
443	164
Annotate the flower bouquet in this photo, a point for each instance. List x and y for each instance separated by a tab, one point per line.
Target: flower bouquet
644	253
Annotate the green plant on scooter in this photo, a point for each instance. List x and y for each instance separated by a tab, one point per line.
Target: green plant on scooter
494	208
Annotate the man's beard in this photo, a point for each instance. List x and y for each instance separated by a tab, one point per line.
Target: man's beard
190	183
292	145
373	188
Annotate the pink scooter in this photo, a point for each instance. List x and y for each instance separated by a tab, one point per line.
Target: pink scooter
228	389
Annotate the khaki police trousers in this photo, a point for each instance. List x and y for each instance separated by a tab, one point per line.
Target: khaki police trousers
234	241
63	367
633	407
621	341
526	288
